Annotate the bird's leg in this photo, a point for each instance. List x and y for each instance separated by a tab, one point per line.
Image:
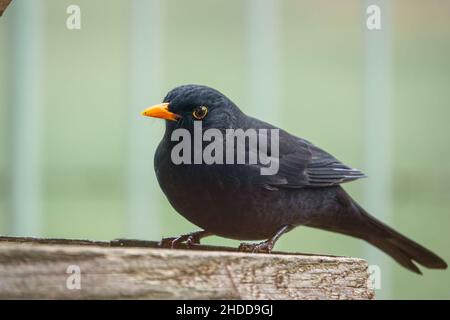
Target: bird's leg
265	246
190	239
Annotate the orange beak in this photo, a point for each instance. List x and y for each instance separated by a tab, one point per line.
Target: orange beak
160	111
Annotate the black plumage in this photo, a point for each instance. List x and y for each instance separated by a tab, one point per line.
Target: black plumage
236	201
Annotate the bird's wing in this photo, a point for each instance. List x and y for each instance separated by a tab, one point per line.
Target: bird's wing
302	165
309	166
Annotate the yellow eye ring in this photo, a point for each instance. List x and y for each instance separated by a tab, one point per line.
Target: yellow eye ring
200	112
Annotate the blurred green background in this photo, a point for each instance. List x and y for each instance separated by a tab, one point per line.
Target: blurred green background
91	170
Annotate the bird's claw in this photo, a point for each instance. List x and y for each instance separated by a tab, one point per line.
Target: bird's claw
174	242
192	240
169	242
262	247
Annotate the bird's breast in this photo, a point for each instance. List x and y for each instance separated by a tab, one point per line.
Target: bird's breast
225	200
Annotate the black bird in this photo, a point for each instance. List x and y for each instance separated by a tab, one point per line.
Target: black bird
236	201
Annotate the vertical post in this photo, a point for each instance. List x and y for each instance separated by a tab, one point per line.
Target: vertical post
25	45
378	129
263	60
144	206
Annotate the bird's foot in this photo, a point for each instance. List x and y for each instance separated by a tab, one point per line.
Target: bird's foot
190	239
265	246
262	247
174	242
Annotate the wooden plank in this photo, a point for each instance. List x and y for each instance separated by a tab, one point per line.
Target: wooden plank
31	268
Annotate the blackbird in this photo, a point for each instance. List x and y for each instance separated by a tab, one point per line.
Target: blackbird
236	201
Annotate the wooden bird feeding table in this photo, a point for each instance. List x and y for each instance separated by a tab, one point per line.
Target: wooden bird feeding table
133	269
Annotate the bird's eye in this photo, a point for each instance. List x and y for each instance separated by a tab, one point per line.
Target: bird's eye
200	112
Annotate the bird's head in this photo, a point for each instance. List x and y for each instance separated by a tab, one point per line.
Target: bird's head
188	103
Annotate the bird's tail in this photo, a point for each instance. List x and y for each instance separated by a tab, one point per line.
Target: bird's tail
405	251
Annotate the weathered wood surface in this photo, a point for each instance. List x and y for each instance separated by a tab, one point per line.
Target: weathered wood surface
3	5
37	268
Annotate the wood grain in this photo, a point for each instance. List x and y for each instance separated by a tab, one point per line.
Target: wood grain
36	268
